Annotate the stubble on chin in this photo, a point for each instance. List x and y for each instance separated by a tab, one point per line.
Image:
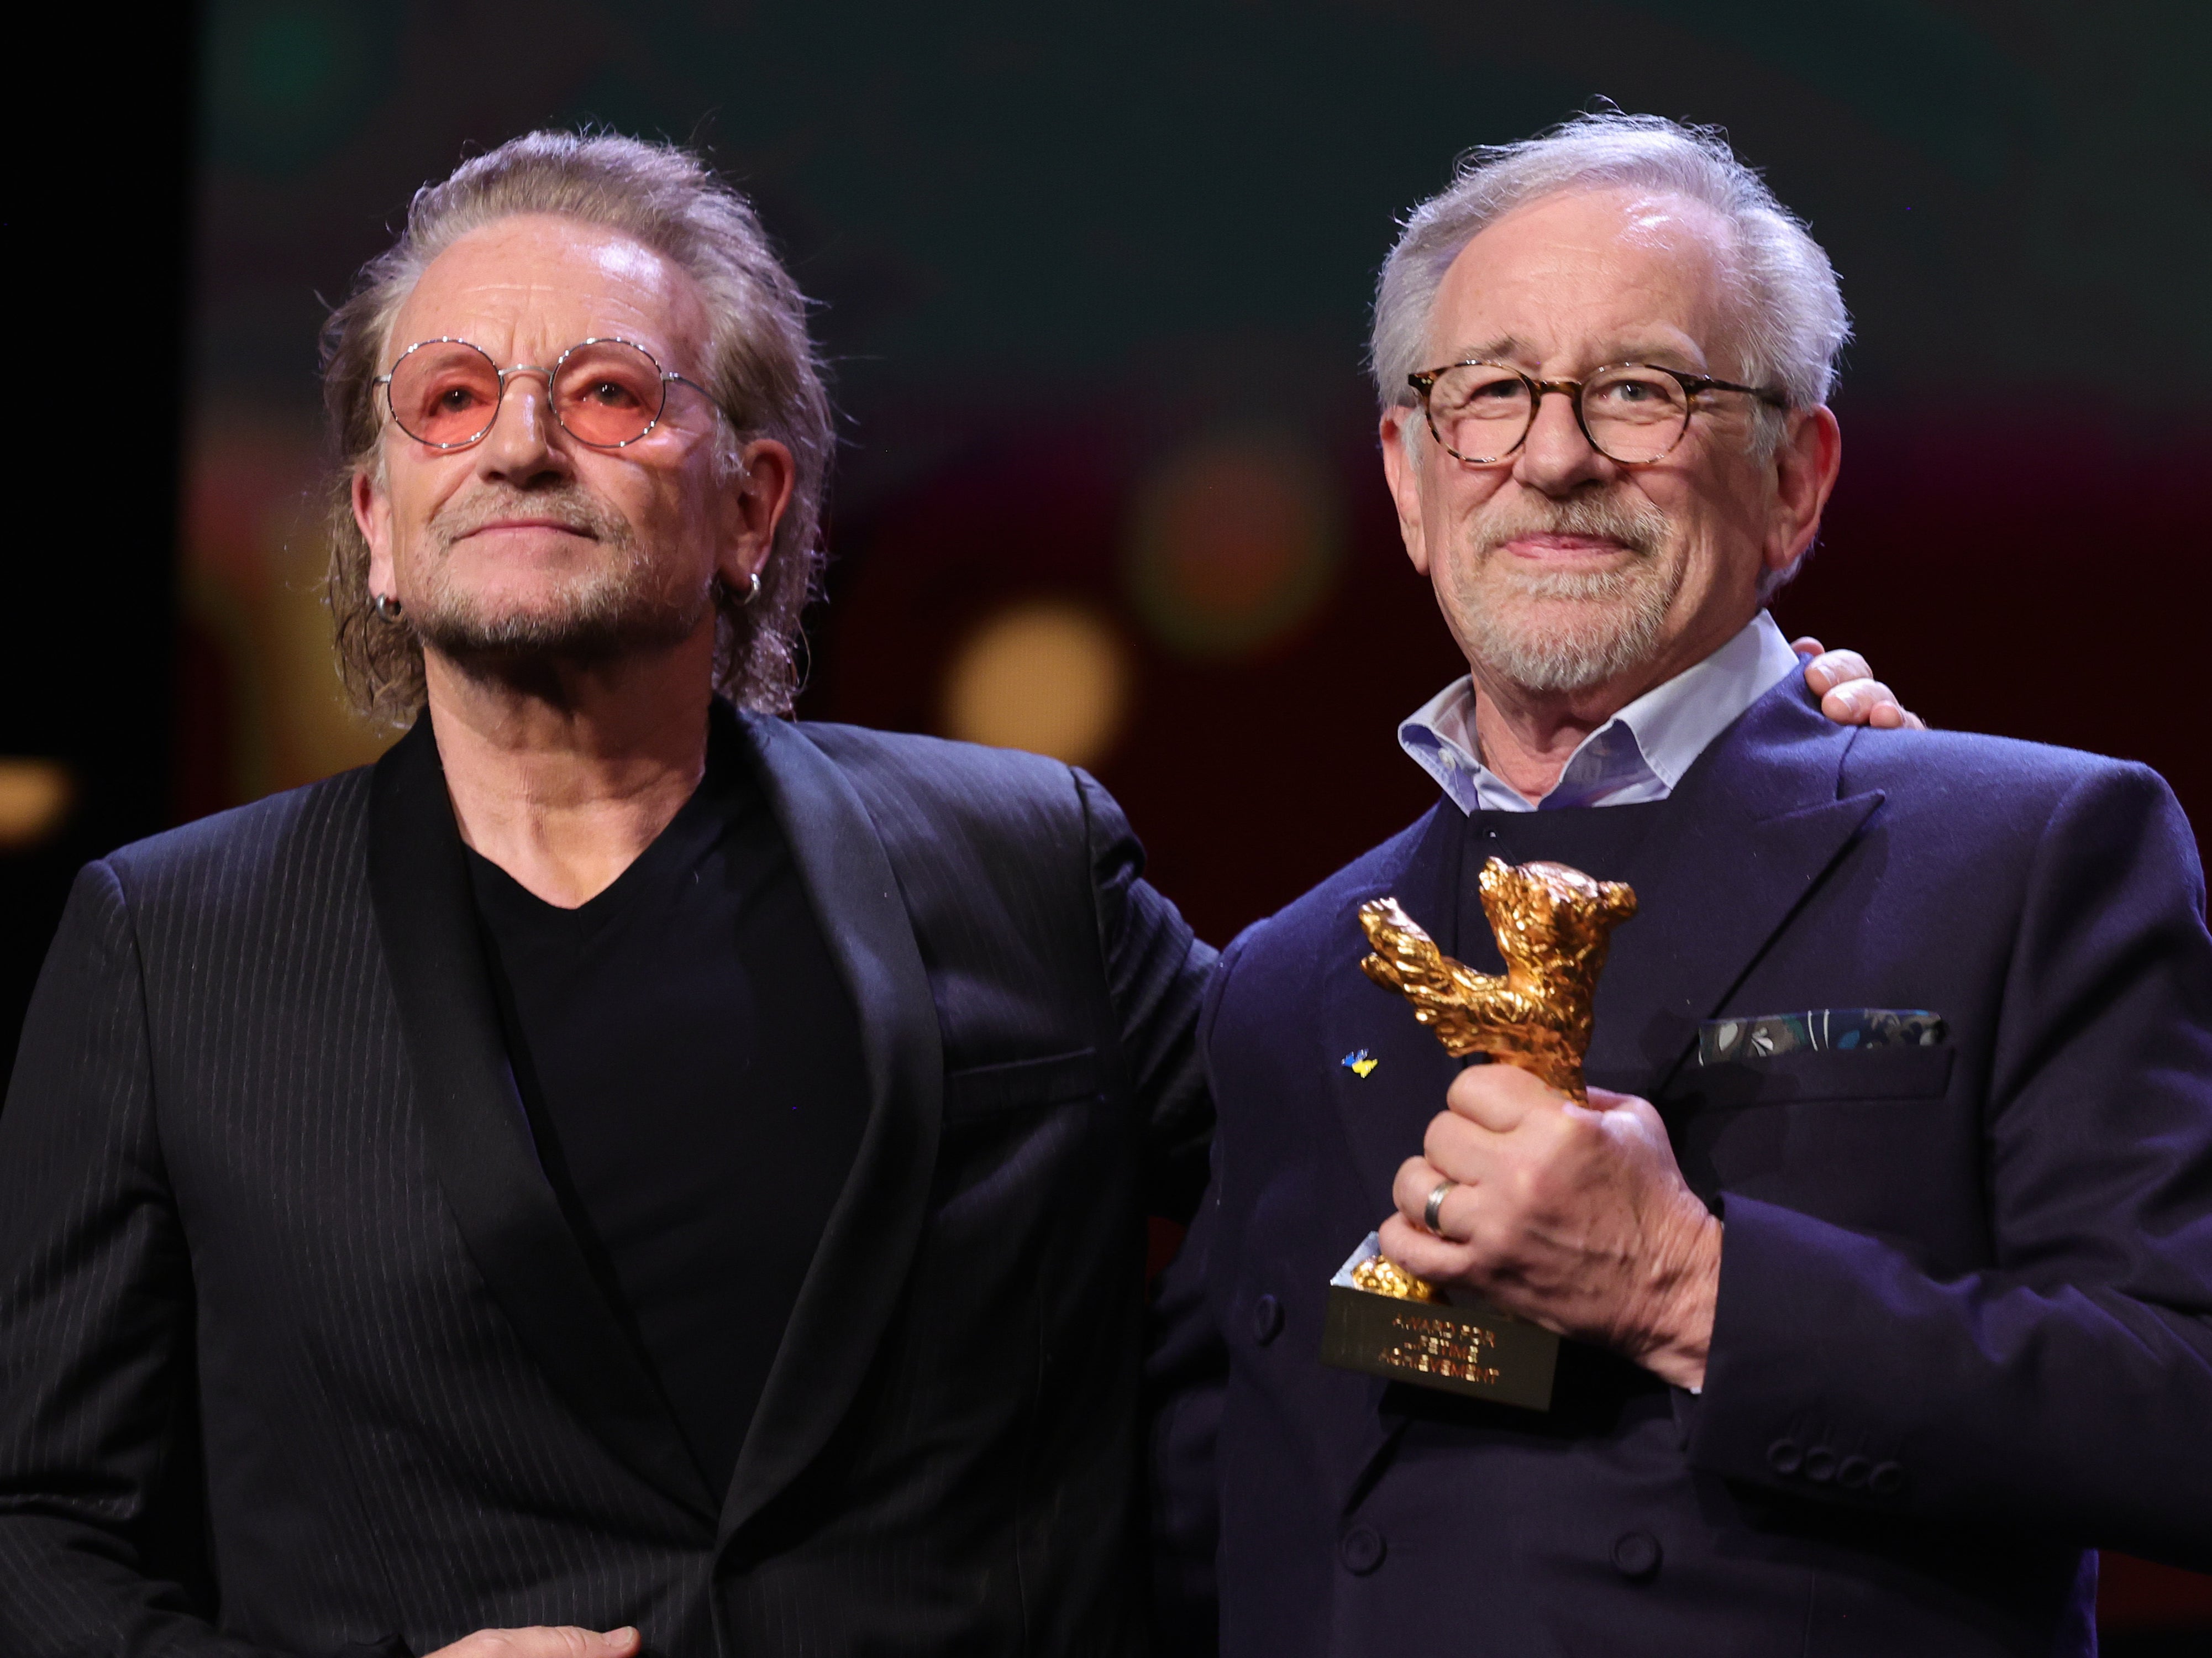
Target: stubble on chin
619	603
1553	632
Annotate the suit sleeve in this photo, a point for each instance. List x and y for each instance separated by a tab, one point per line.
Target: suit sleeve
2066	1388
1157	972
1186	1380
95	1317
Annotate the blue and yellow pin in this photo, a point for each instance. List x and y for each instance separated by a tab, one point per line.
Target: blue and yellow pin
1359	1062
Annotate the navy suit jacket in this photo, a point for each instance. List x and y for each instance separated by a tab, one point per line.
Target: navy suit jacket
1963	1329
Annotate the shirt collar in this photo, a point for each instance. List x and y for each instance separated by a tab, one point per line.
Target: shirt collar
1638	755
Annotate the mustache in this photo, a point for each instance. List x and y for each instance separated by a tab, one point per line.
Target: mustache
567	504
1639	528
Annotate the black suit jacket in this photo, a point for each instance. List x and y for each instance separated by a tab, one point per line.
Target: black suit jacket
1965	1323
265	1174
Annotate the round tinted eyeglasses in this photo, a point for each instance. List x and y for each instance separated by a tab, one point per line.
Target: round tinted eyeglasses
1633	413
607	393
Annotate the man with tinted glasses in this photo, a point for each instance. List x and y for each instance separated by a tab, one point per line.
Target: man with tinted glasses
624	1162
1885	1263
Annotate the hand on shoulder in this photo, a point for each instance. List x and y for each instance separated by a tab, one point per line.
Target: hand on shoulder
1849	694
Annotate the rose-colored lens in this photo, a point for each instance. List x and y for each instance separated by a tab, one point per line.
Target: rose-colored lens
445	392
608	393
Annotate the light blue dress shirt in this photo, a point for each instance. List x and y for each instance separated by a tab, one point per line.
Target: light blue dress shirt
1638	755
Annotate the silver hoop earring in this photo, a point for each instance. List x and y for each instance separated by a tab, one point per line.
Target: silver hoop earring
388	610
752	593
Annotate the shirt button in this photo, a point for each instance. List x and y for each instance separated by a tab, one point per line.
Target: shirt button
1886	1479
1851	1472
1267	1319
1820	1465
1785	1456
1636	1554
1362	1550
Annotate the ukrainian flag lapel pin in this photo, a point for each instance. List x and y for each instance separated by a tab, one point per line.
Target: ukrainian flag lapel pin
1359	1062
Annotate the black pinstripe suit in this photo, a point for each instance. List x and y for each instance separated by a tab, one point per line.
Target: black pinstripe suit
263	1174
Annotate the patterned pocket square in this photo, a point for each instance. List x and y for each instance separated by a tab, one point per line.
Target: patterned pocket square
1761	1036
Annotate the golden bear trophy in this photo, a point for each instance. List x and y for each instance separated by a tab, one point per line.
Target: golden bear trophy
1553	925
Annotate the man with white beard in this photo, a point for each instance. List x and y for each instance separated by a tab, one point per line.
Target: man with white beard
1883	1246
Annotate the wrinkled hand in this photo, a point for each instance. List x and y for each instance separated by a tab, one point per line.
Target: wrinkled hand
541	1642
1574	1217
1849	694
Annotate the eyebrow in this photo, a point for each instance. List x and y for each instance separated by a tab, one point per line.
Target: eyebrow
1505	347
1500	349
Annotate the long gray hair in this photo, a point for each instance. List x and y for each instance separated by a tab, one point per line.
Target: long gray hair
1790	311
761	372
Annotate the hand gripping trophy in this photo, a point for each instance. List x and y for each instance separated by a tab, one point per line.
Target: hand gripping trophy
1553	925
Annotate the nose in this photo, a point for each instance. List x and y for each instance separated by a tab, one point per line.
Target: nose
1556	459
521	445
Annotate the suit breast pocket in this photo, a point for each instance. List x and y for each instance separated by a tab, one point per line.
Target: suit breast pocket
1874	1074
983	1093
1869	1141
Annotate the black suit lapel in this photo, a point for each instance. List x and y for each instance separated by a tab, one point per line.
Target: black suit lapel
479	1138
1754	825
869	1242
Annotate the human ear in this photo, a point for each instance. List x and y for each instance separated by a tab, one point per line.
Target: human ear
372	515
1401	470
753	501
1805	466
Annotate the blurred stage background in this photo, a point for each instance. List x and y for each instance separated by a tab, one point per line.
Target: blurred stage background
1094	281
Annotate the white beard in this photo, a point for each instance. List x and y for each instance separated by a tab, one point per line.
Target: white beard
1557	631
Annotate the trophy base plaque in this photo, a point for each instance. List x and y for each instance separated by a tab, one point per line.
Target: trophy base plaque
1474	1349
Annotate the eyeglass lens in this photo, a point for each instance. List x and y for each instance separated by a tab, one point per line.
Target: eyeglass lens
1481	412
607	393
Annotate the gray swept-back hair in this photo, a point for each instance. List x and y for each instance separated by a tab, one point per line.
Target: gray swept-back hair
1790	321
761	370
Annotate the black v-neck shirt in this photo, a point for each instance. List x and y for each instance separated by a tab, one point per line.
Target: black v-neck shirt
691	1061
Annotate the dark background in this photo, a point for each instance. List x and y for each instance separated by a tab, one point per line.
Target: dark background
1094	281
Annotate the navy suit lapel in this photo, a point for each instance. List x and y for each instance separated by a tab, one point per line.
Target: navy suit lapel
1386	1113
869	1243
479	1138
1754	825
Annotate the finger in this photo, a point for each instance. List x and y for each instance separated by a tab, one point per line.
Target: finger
1604	1099
545	1641
1410	1187
1497	1096
1892	716
1855	703
1418	1177
1832	668
1806	645
1421	1254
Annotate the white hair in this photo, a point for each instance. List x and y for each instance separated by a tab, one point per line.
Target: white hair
1790	320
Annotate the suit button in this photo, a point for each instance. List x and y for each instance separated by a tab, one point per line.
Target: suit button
1785	1456
1267	1319
1886	1479
1636	1554
1851	1472
1361	1551
1820	1465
